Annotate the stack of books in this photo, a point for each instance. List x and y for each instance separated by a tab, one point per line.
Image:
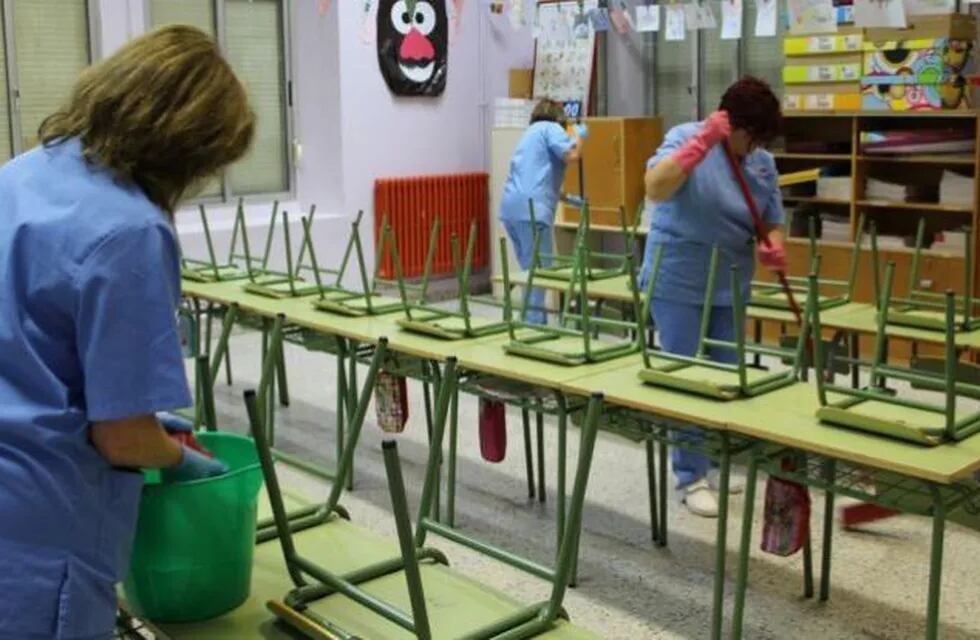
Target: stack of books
923	141
884	191
956	189
834	187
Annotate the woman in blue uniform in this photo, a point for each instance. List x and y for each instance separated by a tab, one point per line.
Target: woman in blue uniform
537	170
89	286
697	205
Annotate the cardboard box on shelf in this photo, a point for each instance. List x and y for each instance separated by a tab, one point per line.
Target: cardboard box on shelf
521	83
846	40
831	96
915	93
957	26
842	67
920	56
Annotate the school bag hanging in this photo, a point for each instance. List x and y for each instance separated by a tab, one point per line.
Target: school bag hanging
391	402
786	525
493	430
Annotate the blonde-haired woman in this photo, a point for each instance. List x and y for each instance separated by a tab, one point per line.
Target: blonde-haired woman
537	170
89	283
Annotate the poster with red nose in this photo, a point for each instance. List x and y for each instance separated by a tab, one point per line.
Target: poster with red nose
413	46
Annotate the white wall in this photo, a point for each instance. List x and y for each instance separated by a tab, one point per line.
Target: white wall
349	127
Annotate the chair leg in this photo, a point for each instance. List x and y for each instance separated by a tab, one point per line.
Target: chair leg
528	456
652	489
542	494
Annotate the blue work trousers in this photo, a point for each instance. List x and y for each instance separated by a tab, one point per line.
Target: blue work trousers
521	236
679	326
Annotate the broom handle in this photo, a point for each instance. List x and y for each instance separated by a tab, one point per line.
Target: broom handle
760	230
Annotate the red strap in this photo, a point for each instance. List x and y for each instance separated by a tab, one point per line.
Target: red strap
760	230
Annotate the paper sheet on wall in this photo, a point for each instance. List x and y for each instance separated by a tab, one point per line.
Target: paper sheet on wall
765	18
563	64
515	14
675	22
731	19
929	7
648	18
812	16
880	13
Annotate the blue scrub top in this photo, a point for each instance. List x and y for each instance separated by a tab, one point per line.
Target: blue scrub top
709	210
89	284
537	171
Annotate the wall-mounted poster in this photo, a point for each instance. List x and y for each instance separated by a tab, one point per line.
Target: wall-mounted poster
564	63
413	46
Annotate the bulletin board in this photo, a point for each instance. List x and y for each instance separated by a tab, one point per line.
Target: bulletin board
564	66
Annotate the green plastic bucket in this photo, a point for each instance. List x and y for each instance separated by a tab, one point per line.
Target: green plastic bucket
192	553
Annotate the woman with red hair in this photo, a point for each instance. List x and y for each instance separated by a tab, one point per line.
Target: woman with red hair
696	206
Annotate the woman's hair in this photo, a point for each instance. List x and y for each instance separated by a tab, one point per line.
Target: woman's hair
165	112
549	111
751	105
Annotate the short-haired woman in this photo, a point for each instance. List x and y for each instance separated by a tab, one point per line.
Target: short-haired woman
697	205
89	287
537	170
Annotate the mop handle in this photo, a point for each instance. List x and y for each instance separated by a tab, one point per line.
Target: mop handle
760	230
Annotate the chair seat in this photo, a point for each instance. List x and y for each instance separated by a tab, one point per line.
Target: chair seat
888	419
776	299
357	304
451	327
700	379
281	289
565	350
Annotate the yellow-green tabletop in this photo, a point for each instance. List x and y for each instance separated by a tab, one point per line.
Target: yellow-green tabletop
785	417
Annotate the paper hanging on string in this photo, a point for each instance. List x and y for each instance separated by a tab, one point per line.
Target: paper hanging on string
880	13
765	18
812	16
600	19
516	14
692	17
731	19
706	17
618	17
675	23
648	18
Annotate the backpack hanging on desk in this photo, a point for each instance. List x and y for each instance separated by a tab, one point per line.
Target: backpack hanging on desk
786	524
493	430
391	402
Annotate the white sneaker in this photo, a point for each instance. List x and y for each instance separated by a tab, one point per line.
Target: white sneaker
736	482
699	499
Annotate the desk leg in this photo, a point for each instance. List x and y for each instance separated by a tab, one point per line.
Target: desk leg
453	445
854	342
281	376
562	466
757	335
935	565
745	548
528	455
807	550
542	496
721	541
662	486
341	400
830	473
352	390
652	490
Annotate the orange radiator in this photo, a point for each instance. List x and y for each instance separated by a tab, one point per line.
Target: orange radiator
411	204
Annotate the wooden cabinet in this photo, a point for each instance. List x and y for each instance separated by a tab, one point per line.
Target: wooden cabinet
614	159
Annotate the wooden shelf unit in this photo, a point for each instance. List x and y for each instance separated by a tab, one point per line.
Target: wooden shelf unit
894	218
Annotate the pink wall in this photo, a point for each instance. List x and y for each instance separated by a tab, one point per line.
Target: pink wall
386	136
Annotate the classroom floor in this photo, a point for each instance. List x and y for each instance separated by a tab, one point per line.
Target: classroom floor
628	589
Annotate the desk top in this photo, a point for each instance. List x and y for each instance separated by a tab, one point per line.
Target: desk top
786	417
789	413
489	356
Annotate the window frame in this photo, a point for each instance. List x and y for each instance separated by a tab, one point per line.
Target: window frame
227	196
9	43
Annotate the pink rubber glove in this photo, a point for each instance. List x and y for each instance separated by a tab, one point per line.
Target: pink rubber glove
716	128
773	257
